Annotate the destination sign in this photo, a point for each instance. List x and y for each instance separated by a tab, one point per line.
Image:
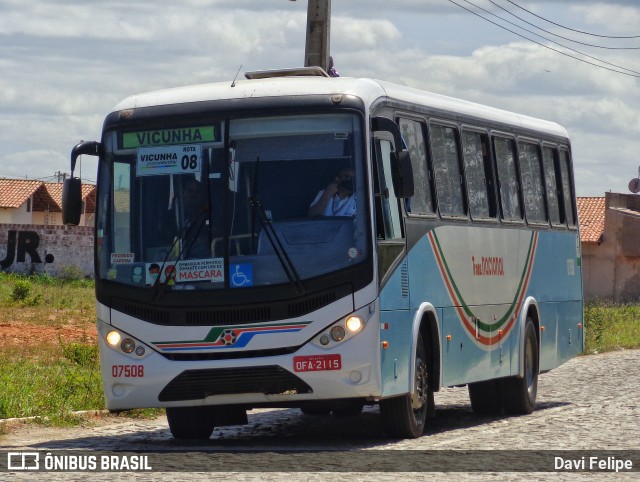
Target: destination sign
164	137
153	161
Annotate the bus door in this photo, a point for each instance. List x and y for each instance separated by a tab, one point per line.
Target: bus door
389	218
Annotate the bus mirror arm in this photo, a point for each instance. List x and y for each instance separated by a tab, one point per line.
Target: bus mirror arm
91	148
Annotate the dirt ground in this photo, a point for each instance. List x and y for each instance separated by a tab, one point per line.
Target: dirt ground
21	333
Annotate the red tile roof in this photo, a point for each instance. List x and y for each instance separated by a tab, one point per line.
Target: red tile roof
591	217
47	196
15	192
88	194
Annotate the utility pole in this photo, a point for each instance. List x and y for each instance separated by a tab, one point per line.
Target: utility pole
317	49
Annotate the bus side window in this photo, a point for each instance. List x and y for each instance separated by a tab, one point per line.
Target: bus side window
505	156
567	190
479	175
413	135
553	187
447	170
531	177
388	202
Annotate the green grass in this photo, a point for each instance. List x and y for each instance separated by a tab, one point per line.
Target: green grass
53	378
51	383
609	326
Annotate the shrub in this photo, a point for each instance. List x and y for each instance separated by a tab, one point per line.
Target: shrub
21	290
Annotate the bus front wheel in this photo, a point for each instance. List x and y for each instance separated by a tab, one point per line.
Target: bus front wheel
405	416
191	422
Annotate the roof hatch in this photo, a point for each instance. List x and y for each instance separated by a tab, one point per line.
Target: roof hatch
297	72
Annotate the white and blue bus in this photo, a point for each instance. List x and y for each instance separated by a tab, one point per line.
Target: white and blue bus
231	275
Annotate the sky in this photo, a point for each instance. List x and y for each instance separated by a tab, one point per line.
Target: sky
64	64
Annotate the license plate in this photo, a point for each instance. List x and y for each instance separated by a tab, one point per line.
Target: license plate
313	363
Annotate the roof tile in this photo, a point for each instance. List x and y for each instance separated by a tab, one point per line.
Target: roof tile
591	217
15	192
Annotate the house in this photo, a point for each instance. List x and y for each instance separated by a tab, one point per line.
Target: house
30	201
609	235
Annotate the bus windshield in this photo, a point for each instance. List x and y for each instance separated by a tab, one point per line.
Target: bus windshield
232	203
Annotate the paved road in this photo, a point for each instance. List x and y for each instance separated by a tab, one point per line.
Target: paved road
590	403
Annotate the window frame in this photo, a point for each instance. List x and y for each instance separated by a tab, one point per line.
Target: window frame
412	117
570	183
462	182
511	138
490	182
536	143
558	187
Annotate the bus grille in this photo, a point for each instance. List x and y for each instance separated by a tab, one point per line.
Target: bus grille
199	384
230	315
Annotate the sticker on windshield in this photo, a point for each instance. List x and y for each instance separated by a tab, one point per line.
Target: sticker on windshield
185	271
121	258
155	161
200	270
241	275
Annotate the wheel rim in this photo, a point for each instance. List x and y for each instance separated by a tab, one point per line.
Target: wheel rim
530	369
419	395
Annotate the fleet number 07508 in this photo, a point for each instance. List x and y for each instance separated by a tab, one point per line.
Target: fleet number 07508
127	371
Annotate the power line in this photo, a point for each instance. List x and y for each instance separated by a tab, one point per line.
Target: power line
555	34
568	28
632	73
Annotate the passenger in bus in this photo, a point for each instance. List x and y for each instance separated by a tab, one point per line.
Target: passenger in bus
338	198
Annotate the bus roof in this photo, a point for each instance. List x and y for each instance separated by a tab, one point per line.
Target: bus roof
369	90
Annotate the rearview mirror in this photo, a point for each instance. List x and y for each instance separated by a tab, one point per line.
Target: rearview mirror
401	168
402	174
71	201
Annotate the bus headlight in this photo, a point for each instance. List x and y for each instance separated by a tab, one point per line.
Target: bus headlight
121	342
128	345
113	338
337	333
354	324
343	329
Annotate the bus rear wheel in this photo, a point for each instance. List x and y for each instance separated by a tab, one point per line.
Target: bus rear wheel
405	416
191	422
519	394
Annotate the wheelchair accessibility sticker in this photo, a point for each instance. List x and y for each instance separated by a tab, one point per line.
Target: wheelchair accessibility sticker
241	275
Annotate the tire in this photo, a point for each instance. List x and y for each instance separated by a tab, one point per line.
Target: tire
405	416
485	397
194	423
519	394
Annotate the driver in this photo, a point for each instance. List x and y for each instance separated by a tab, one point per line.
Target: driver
338	198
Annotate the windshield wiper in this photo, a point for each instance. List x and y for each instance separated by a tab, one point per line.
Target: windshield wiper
261	213
157	287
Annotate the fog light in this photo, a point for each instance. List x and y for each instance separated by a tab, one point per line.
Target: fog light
324	339
354	323
338	333
355	376
113	338
139	350
127	345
